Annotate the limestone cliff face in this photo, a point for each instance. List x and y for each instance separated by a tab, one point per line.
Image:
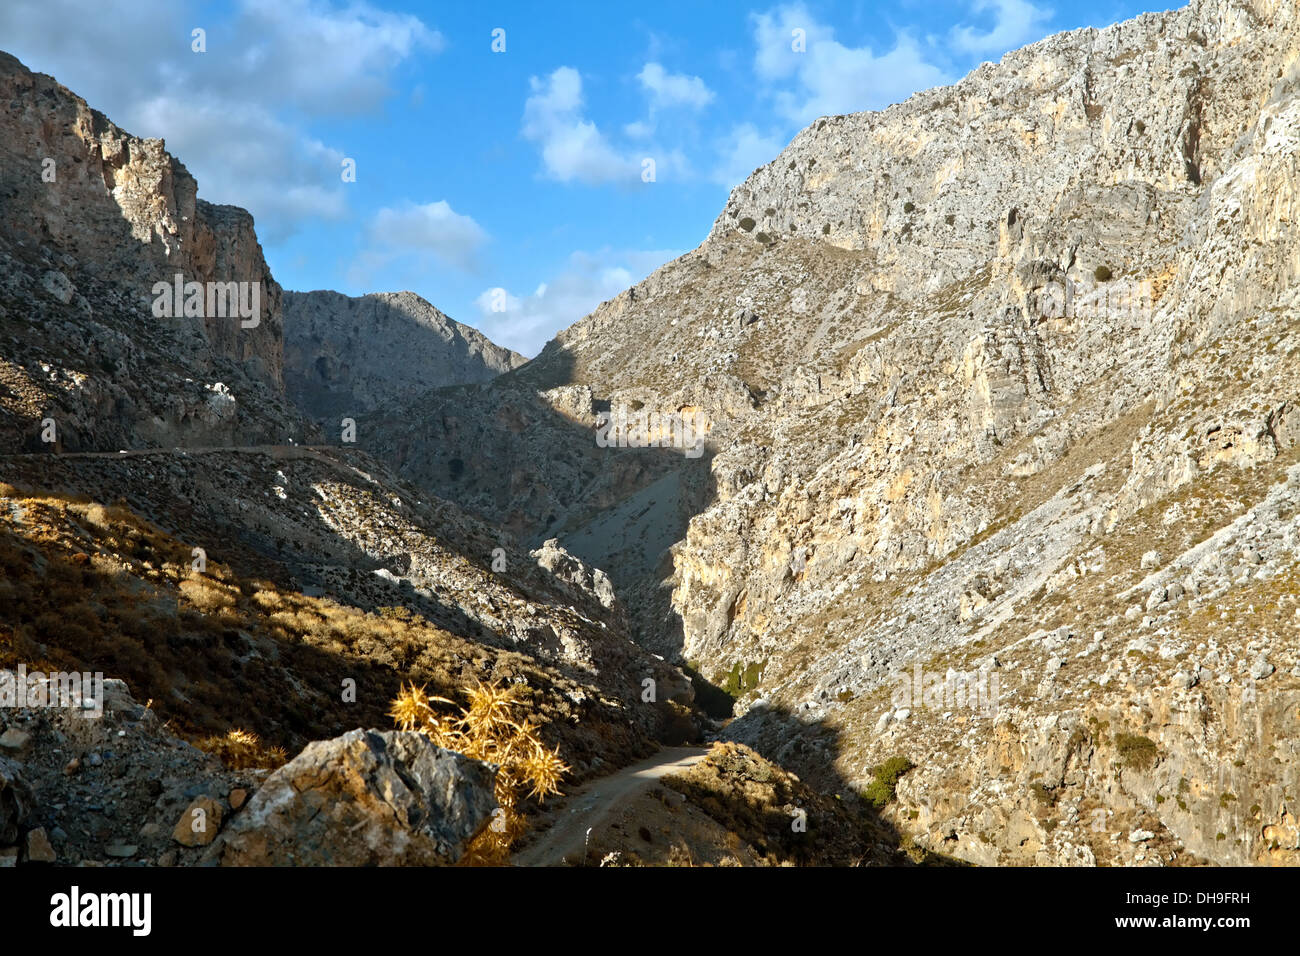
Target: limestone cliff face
346	355
1112	129
91	219
1001	380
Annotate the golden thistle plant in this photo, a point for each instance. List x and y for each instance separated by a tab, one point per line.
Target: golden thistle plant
487	730
241	750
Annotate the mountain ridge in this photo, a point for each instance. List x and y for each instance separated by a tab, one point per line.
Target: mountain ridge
997	520
352	354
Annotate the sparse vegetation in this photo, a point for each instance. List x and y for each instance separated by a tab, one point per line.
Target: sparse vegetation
712	699
240	666
743	678
240	750
884	787
1042	794
1135	751
754	799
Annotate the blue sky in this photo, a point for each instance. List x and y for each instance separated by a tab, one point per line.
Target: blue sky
507	188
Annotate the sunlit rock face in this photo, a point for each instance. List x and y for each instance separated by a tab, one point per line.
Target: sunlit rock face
122	289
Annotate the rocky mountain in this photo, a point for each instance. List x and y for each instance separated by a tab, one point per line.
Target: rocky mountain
96	226
999	387
346	357
958	469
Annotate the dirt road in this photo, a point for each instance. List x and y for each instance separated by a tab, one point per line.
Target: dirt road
591	803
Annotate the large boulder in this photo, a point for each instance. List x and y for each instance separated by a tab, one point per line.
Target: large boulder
571	570
16	802
367	798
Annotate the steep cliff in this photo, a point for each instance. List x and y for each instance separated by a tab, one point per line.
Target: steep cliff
94	224
162	521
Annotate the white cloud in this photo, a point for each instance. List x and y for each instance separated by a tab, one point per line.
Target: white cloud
742	151
776	35
1016	22
111	67
528	321
250	158
667	90
572	147
322	59
829	78
433	229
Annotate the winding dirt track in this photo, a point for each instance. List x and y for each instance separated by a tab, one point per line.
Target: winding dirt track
587	806
328	454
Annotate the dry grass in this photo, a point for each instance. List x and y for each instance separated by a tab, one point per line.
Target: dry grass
242	750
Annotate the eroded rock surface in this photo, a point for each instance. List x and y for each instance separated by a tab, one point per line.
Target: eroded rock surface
91	220
368	798
967	363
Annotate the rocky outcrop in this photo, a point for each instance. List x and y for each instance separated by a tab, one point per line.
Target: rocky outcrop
591	582
95	227
346	357
81	761
16	802
368	798
124	209
999	483
415	588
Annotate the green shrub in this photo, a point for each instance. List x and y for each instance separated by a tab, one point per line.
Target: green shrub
711	698
1136	751
743	678
883	788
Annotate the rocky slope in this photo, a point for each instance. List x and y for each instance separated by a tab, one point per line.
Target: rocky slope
346	357
1000	388
996	520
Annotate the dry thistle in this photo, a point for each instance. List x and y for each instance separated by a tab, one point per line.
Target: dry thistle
487	730
241	749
